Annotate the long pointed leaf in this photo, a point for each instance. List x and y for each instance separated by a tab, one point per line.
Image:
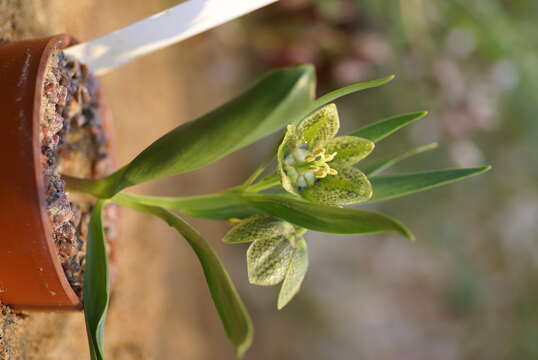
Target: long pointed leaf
350	89
383	128
377	166
393	186
325	218
231	309
279	98
219	206
96	288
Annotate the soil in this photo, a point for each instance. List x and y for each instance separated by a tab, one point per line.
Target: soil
74	143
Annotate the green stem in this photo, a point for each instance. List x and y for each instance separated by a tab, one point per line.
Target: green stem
258	172
263	165
103	188
218	206
268	182
88	186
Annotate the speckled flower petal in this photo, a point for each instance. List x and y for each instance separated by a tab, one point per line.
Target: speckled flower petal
349	186
256	228
319	127
268	260
349	150
288	145
294	275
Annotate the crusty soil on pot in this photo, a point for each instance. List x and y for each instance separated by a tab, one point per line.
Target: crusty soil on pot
74	143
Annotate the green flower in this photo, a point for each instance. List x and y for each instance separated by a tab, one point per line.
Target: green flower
277	254
316	165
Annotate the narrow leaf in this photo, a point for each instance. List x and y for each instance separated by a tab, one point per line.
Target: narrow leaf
96	289
294	275
219	206
383	128
325	218
393	186
380	165
231	309
279	98
333	95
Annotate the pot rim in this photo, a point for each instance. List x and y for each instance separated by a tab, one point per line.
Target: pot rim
38	254
56	42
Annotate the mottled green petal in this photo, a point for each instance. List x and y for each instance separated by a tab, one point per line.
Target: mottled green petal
288	145
349	186
349	150
294	275
319	127
268	260
256	228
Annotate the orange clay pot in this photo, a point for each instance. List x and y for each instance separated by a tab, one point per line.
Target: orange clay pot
31	275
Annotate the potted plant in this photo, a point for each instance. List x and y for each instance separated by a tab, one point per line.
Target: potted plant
311	181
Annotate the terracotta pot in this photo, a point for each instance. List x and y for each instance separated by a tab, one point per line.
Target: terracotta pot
31	275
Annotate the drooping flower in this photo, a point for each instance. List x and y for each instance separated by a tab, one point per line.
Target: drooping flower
277	254
317	166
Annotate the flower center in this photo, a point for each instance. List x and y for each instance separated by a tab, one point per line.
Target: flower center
306	167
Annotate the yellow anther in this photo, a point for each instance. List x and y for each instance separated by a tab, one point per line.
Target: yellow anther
309	158
313	168
330	157
319	151
321	173
332	172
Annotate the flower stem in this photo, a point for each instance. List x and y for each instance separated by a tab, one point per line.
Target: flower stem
268	182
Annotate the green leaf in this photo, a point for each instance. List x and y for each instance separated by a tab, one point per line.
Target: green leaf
96	288
379	165
279	98
218	206
333	95
325	218
268	259
383	128
349	150
294	275
233	314
258	227
349	186
319	127
393	186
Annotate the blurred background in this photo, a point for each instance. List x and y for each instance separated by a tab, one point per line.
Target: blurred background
465	290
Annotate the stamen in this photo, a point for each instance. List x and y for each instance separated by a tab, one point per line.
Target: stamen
313	168
330	157
321	173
